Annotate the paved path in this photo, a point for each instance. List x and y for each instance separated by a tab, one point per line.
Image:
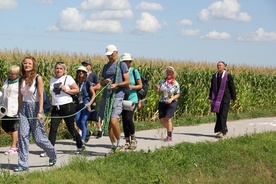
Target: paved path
147	140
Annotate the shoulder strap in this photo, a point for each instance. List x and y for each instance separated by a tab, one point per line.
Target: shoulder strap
133	72
65	79
36	84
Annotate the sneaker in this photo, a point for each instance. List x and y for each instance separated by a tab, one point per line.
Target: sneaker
88	134
127	145
43	154
20	169
133	144
220	135
80	150
99	134
11	151
52	161
117	149
168	138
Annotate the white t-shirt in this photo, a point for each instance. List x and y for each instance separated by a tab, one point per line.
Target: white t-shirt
62	98
10	98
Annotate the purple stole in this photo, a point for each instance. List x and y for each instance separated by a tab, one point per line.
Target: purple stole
217	94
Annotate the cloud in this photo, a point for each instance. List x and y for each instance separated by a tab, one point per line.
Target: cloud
217	35
105	5
70	19
190	32
259	35
149	6
224	10
185	22
147	24
8	4
111	14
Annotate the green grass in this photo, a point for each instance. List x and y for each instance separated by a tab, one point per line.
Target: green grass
246	159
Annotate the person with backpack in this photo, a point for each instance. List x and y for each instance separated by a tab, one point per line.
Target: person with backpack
83	99
30	106
92	77
127	115
9	99
114	78
169	91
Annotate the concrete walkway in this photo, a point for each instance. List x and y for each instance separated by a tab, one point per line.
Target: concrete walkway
147	140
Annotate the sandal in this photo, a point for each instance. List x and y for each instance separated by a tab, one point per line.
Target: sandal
11	151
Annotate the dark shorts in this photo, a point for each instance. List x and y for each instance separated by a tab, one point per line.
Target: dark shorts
94	116
10	125
167	110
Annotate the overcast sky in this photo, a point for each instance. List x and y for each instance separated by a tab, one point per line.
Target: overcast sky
236	31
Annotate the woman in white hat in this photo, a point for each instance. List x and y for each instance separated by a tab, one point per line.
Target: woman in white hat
127	115
85	97
169	91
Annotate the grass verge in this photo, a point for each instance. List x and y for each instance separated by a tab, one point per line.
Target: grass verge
246	159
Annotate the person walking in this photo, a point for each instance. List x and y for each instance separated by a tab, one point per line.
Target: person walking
9	99
92	77
169	91
222	90
127	115
114	77
85	98
30	105
62	87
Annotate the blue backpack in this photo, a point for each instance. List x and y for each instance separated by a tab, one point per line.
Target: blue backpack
47	105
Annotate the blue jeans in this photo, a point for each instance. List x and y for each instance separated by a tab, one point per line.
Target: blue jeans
81	118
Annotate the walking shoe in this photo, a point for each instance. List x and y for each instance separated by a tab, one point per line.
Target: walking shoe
43	154
80	150
117	149
133	144
11	151
88	134
52	161
20	169
99	134
168	138
127	145
220	135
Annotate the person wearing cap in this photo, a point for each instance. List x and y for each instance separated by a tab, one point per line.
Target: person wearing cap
127	115
84	98
92	77
114	77
88	66
222	90
169	91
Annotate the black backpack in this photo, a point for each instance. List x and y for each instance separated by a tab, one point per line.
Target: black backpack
142	93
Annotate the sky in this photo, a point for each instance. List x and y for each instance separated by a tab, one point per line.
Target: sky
239	32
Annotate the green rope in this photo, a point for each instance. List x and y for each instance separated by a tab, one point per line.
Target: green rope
110	97
55	117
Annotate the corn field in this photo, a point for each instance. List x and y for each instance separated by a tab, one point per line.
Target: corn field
255	85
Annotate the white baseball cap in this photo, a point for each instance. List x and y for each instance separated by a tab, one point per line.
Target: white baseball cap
110	49
126	57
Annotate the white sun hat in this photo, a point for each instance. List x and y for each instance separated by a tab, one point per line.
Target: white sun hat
126	57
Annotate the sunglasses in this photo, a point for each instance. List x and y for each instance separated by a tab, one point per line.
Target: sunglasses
79	71
59	62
